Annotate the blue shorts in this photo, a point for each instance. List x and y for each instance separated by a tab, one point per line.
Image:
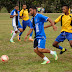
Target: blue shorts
19	25
26	23
16	28
40	43
63	36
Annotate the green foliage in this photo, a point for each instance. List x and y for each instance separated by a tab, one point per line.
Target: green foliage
49	5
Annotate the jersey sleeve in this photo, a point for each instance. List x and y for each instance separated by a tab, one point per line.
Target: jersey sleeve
21	12
12	12
58	19
43	18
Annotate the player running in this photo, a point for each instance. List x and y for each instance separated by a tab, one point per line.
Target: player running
15	23
26	21
66	31
40	37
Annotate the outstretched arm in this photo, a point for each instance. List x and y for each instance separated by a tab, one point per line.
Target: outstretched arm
49	25
29	32
52	24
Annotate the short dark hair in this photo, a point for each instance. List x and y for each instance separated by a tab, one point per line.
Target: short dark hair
33	7
66	6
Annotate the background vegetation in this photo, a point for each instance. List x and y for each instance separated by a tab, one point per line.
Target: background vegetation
50	6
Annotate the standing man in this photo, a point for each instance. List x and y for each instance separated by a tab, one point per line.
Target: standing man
40	37
26	21
66	31
15	23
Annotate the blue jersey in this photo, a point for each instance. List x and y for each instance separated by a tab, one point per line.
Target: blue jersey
15	19
39	20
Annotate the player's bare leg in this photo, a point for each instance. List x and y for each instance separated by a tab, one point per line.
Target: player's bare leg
70	43
14	34
21	30
48	51
55	44
46	60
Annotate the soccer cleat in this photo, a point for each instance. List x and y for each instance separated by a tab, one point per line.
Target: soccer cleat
12	41
18	38
45	62
31	39
55	55
63	50
11	33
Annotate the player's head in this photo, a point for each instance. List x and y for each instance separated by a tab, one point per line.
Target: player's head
32	10
65	8
17	7
24	6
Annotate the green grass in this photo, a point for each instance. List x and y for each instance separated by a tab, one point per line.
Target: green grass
21	54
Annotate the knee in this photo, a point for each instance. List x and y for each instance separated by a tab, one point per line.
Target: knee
16	31
40	50
54	45
71	45
21	30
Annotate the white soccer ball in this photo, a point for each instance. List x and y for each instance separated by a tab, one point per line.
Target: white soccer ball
4	58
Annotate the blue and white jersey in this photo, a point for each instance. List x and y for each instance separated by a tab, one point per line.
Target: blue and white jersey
39	20
15	19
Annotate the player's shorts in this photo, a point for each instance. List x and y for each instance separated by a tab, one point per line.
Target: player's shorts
40	43
26	23
63	36
16	28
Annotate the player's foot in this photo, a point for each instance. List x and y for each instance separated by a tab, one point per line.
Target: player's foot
31	39
45	62
55	55
12	41
11	33
63	50
18	38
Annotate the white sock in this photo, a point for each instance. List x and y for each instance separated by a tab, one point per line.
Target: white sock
52	52
14	34
45	58
30	37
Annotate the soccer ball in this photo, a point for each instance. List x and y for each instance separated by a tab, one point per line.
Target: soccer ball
4	58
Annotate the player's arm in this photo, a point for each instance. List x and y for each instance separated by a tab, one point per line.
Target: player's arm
11	16
56	21
21	13
29	32
48	25
52	24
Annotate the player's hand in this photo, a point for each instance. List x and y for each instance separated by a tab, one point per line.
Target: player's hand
44	27
25	39
55	28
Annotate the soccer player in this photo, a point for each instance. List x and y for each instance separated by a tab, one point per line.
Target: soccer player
40	37
26	21
66	31
15	23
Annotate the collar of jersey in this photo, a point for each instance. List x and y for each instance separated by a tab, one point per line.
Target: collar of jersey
36	14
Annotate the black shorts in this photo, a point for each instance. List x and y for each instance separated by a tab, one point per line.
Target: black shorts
35	43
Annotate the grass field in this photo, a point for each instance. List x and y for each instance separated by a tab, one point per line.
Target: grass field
22	57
